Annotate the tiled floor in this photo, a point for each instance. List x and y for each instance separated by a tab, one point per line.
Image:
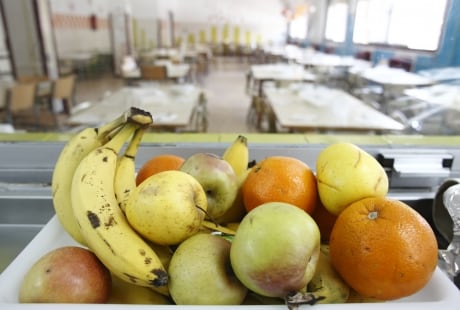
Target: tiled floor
224	86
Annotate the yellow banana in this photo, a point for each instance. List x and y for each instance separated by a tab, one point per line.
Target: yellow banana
237	155
103	224
73	152
125	175
326	286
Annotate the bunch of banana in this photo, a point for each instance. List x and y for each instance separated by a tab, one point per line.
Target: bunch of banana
102	222
326	286
73	152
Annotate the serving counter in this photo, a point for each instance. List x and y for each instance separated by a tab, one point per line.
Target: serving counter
416	167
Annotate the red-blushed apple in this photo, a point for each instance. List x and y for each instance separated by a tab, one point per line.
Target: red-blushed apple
275	250
217	178
67	274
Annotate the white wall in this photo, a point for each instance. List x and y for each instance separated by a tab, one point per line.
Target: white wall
262	19
71	30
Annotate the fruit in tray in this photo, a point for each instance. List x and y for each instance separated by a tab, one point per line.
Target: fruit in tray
347	173
217	178
200	273
219	221
275	249
167	208
66	275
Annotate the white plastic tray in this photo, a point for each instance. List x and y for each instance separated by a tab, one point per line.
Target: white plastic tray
440	293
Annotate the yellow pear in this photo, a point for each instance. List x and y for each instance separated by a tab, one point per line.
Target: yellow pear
127	293
346	173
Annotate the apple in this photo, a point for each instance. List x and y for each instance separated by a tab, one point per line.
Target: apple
276	249
345	173
200	273
217	178
167	207
67	274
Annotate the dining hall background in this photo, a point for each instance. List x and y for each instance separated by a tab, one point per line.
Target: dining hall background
91	38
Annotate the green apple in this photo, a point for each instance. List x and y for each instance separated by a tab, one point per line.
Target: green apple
167	208
275	250
200	273
345	173
217	178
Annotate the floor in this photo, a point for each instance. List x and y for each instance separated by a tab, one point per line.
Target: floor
224	86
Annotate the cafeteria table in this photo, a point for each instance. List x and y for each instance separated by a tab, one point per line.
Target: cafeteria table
172	106
434	100
176	72
392	81
280	73
309	107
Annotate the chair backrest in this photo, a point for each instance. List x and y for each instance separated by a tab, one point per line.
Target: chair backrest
363	55
31	78
152	72
64	87
400	63
21	96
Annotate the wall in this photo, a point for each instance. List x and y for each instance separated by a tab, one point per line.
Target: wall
72	27
250	22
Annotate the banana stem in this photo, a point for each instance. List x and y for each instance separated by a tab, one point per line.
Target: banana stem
117	142
133	146
218	227
104	130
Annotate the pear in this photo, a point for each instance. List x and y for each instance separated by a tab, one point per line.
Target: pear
275	250
345	173
200	273
123	292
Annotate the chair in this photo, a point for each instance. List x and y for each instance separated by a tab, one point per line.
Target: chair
363	55
154	72
400	63
63	89
20	103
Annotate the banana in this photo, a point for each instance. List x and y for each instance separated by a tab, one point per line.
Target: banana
73	152
125	175
326	286
103	224
237	155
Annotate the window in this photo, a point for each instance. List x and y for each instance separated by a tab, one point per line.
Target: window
336	21
394	22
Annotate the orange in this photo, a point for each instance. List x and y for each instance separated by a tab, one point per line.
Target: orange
383	248
157	164
280	179
325	221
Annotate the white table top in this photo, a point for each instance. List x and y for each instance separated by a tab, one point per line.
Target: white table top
174	71
281	72
310	107
443	95
441	74
328	60
384	75
170	105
